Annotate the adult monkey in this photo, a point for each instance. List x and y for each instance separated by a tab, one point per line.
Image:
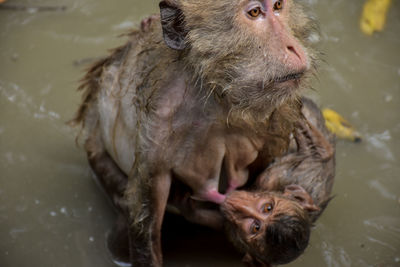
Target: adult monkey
171	103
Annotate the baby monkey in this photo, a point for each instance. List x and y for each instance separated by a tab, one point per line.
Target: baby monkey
271	223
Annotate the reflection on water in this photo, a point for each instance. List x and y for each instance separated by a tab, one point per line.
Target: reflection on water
53	214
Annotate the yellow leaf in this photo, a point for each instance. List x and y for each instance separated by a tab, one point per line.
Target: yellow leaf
374	16
339	126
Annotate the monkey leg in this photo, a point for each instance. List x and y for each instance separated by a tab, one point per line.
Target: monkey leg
118	241
114	182
110	176
136	236
147	199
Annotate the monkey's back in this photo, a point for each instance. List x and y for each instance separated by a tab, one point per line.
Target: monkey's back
120	91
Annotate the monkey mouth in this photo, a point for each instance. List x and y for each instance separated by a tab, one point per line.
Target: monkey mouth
290	77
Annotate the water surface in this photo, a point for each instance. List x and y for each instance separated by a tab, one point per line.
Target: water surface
53	214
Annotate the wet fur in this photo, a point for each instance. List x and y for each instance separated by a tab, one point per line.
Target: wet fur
134	74
312	167
310	164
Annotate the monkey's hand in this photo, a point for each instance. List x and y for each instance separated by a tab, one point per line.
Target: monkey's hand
310	141
200	212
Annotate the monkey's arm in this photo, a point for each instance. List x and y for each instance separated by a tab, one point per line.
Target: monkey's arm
315	150
147	198
110	176
199	212
204	216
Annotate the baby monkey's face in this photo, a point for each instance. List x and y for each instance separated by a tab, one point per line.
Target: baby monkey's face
272	228
252	212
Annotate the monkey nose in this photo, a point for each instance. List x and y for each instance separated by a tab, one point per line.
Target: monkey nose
248	211
238	201
296	57
292	51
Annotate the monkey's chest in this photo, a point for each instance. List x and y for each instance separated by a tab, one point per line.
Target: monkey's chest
218	164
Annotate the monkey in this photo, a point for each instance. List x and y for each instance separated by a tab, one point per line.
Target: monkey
310	163
313	166
190	84
289	196
271	223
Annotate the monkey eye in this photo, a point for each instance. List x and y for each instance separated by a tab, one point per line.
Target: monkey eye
255	227
278	5
254	12
267	208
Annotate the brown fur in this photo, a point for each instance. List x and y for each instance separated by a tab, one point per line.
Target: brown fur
301	182
284	233
312	167
149	108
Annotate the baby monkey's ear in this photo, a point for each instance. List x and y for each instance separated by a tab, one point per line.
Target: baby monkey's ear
297	193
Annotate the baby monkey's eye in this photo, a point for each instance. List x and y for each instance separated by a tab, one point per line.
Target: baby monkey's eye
255	227
278	5
255	12
268	208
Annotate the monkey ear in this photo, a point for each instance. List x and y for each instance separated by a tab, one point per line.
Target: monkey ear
297	193
172	23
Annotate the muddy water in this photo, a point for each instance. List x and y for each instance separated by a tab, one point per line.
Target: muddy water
53	214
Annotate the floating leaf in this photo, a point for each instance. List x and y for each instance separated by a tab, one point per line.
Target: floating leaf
374	16
339	126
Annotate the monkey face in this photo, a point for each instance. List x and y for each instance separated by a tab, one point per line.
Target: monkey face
270	227
268	22
252	212
274	62
253	53
249	211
